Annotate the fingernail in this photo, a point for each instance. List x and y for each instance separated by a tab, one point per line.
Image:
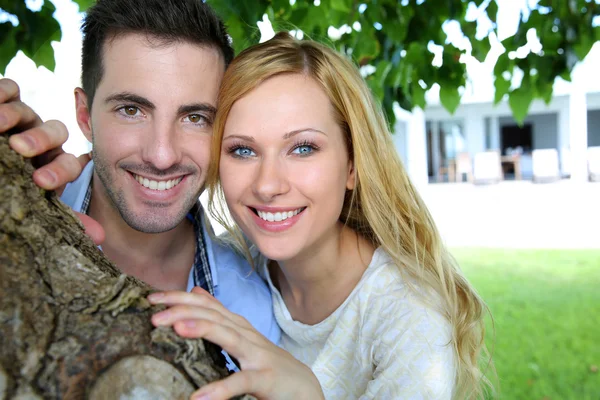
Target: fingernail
22	143
155	297
201	397
45	177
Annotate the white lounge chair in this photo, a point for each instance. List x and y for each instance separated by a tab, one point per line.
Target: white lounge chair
487	167
545	165
594	163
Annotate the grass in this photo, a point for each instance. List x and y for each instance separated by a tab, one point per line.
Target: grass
546	310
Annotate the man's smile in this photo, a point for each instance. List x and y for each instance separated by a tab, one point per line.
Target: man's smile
157	184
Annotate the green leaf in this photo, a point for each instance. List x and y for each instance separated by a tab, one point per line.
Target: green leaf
341	5
84	4
449	97
503	64
481	48
280	6
501	86
583	45
238	32
397	32
383	69
520	100
566	75
544	90
418	95
375	86
8	45
492	10
35	33
365	48
469	28
298	16
44	56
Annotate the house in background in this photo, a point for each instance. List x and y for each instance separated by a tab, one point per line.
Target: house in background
435	145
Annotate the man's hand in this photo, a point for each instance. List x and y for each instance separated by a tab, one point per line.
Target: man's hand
37	140
42	142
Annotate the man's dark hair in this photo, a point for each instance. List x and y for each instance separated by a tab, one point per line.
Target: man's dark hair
167	21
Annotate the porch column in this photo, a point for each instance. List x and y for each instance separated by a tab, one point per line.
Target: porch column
578	130
474	133
494	133
564	138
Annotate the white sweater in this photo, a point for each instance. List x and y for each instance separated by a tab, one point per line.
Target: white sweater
383	342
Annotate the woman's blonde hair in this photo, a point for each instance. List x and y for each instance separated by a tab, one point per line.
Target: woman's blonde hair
384	207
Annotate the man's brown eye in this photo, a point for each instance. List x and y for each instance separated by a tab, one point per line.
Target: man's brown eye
195	118
131	111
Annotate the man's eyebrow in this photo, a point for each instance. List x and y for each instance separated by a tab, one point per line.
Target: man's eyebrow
191	108
297	131
130	98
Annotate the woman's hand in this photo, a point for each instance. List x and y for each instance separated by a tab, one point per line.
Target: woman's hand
267	371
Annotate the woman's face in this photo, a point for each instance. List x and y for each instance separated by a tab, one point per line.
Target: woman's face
284	166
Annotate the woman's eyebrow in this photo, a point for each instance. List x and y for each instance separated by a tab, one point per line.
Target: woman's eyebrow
286	136
243	137
297	131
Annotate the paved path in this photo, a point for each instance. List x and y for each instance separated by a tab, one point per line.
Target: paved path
519	214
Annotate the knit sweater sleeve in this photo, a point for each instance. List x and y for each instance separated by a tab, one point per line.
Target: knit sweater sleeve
411	350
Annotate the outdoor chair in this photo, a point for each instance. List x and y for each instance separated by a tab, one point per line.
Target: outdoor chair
464	166
594	163
487	167
545	165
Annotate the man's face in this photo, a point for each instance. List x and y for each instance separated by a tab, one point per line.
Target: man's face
151	125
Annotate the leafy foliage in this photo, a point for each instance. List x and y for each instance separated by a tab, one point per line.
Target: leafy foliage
33	34
391	36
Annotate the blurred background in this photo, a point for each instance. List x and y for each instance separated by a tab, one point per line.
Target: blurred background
495	108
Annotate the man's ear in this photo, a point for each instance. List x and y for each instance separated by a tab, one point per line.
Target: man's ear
351	182
82	113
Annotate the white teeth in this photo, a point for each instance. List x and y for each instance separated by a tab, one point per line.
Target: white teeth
157	185
278	216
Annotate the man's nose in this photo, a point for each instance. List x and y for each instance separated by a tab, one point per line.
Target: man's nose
271	180
162	148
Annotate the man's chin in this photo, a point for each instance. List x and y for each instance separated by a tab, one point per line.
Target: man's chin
154	223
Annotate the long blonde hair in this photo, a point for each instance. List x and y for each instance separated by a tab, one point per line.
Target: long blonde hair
384	207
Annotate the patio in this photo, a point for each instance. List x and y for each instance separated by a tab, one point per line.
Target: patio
517	214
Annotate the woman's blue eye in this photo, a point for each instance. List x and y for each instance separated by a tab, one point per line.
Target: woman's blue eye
243	152
303	150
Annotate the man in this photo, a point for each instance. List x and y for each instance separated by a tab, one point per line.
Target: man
150	75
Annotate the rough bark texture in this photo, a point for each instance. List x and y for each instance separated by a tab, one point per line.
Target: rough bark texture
71	325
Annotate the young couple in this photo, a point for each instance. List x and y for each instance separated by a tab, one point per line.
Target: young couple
348	261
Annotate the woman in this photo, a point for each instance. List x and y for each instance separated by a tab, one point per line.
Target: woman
363	288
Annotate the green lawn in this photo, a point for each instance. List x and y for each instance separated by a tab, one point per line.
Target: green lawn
546	308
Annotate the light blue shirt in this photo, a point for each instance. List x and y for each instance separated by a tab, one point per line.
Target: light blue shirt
240	289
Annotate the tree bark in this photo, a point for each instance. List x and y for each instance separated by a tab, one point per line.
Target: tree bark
71	325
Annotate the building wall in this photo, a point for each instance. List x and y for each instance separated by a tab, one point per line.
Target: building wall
593	125
399	138
544	129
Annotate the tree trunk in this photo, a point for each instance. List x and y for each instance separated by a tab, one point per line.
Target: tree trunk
71	325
